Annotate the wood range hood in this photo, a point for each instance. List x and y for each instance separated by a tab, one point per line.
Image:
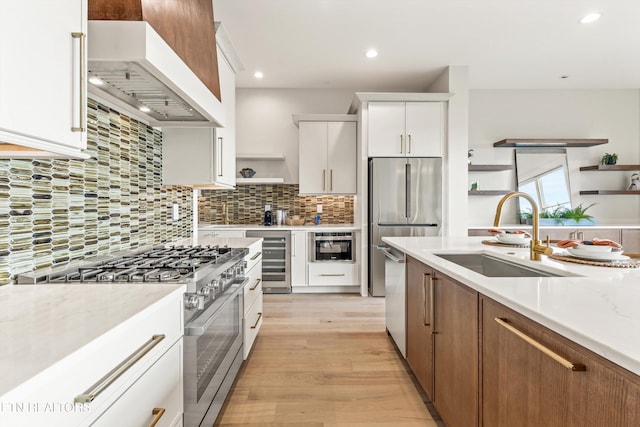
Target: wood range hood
159	54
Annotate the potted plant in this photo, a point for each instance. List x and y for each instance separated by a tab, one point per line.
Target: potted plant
247	172
609	159
564	216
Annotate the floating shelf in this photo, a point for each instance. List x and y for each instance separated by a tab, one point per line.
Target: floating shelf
260	156
609	192
488	192
259	181
610	168
549	142
489	168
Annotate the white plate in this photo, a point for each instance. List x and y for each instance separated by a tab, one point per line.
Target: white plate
593	248
599	256
512	240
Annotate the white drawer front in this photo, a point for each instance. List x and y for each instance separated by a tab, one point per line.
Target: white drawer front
254	256
253	288
332	274
159	388
252	324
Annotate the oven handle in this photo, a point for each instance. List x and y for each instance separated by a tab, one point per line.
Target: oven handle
198	327
333	238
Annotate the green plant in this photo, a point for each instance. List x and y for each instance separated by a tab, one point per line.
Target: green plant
609	159
559	214
247	169
577	213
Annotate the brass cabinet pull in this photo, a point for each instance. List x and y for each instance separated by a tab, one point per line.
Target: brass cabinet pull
330	179
424	299
116	372
324	179
401	144
432	306
256	285
255	325
555	356
83	84
256	255
409	143
220	162
157	414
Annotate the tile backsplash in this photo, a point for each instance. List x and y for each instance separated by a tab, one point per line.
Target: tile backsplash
245	204
56	211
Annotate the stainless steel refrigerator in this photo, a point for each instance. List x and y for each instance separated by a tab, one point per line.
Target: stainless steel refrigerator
405	199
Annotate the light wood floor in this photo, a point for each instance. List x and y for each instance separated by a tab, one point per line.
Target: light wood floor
324	361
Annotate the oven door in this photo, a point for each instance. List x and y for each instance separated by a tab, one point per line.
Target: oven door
332	248
212	357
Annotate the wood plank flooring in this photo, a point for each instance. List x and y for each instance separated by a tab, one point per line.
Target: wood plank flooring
324	361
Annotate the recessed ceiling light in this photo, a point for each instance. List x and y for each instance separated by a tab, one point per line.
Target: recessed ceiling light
144	109
258	75
372	53
590	17
96	81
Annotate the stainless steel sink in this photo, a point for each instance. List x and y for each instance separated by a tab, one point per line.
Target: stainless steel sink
490	266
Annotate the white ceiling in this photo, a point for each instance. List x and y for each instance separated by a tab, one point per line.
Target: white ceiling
507	44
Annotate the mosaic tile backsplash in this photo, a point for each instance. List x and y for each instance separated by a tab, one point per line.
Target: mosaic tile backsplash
246	203
56	211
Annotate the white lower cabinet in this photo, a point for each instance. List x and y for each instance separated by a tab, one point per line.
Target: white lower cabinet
252	318
299	258
333	274
156	396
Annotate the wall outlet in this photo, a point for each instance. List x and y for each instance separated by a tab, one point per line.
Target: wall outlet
175	212
319	208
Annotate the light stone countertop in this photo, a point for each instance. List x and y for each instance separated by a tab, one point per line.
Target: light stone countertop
310	227
232	242
42	324
598	309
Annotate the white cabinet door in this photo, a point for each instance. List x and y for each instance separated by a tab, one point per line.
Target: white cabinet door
341	148
42	90
386	129
225	138
299	258
188	156
424	129
313	157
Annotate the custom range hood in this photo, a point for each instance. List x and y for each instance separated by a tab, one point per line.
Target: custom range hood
156	63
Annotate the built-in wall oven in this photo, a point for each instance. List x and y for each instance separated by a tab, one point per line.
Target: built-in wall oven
333	246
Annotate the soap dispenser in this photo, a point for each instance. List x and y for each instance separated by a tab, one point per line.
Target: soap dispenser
268	216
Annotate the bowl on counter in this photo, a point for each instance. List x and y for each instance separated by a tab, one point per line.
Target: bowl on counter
247	173
513	238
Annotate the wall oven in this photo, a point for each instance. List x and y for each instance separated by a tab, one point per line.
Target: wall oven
333	246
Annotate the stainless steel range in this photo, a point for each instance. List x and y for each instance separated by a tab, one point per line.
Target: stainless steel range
214	277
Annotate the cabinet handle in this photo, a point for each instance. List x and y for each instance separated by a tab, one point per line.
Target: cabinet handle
256	285
432	305
157	414
256	255
330	179
555	356
220	162
409	142
401	144
332	275
425	320
324	179
83	84
255	325
116	372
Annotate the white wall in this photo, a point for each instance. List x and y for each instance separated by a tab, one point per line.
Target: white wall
611	114
264	124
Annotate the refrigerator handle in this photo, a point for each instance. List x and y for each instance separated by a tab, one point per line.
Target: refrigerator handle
407	189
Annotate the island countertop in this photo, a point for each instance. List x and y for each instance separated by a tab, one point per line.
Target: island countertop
597	308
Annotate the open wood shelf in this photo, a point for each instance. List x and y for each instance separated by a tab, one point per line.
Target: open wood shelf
549	142
610	168
609	192
489	168
488	192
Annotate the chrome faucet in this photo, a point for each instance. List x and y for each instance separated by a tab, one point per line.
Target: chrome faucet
536	248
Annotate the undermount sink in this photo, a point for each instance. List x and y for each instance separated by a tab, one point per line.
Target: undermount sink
490	266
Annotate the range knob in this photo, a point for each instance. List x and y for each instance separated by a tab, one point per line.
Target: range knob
206	291
192	302
215	285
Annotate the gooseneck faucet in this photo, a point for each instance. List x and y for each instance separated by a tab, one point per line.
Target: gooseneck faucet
536	248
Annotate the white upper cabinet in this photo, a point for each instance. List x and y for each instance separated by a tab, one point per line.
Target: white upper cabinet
43	78
204	156
405	129
327	157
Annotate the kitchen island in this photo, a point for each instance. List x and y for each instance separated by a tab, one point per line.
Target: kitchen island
549	350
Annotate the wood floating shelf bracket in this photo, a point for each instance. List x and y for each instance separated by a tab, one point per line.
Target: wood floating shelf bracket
549	142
